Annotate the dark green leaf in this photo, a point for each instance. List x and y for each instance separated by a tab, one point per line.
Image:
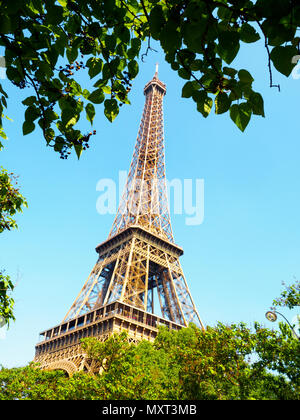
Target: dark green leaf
110	42
31	100
111	109
133	69
257	103
90	112
222	103
5	24
282	58
248	33
28	127
72	54
97	97
240	115
95	66
189	88
245	77
156	21
228	46
204	102
229	71
170	37
78	150
184	74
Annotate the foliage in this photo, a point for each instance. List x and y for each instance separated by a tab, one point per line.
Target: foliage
217	363
188	364
6	301
11	201
129	371
226	362
47	43
28	383
290	297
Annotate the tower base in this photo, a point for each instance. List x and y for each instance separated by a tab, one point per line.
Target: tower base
60	347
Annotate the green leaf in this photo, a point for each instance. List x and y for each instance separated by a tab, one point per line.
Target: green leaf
204	102
184	74
278	33
248	34
30	100
240	115
282	58
72	54
111	109
110	42
228	46
28	127
245	77
5	24
13	74
189	88
90	112
133	69
97	97
3	135
136	44
95	66
222	103
69	117
78	150
156	21
257	103
193	33
123	33
170	37
229	71
196	65
31	113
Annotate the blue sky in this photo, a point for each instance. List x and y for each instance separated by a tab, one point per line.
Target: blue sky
234	262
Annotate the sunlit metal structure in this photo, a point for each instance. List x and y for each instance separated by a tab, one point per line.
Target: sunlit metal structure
138	268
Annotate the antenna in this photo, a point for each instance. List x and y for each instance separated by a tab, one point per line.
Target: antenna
156	70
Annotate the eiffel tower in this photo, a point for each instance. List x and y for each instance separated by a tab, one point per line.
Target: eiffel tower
138	265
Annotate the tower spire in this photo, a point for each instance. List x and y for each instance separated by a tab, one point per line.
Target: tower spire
156	71
144	202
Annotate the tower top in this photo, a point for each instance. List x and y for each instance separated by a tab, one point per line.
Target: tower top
155	82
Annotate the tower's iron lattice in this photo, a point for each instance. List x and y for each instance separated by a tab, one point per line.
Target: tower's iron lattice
138	265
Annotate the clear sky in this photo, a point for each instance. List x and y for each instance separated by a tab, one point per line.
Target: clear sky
234	262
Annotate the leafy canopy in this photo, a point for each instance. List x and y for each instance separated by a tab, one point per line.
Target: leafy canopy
226	362
189	364
47	43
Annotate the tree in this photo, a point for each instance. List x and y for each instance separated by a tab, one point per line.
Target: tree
290	297
190	364
47	42
129	371
225	362
233	362
11	202
6	301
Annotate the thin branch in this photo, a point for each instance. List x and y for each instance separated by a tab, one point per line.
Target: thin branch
149	48
269	57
